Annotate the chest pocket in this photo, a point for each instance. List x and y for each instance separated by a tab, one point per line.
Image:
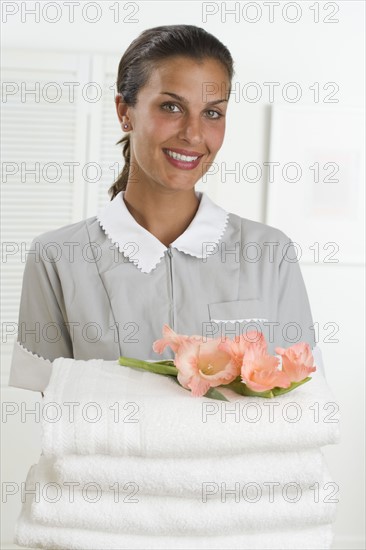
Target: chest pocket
251	309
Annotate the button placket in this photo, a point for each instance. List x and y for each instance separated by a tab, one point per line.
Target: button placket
171	287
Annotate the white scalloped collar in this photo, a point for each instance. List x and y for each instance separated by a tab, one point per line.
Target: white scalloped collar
144	249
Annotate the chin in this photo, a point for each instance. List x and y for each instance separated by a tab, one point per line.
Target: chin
180	186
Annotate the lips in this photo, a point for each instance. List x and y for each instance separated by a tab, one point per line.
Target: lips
183	164
184	152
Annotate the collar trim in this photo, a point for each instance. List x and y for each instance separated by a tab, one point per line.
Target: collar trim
146	251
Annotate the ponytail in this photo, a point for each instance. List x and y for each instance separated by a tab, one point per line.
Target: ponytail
121	183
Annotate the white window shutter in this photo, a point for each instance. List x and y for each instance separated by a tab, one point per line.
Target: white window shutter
37	129
105	131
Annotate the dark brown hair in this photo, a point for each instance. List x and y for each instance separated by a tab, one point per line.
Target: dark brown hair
154	45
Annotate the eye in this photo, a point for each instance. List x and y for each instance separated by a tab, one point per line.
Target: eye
219	115
169	104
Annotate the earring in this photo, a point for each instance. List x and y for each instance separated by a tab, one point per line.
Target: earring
125	126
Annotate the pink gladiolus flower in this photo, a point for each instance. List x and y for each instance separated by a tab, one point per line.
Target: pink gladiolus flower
202	365
172	339
297	361
260	371
236	348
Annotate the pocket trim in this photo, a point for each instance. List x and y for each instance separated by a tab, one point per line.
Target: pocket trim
251	309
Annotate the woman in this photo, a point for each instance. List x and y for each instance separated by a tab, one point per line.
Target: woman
159	252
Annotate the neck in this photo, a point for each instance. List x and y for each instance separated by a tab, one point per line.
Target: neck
166	213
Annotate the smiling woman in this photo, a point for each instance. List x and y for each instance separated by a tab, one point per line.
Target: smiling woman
163	253
173	89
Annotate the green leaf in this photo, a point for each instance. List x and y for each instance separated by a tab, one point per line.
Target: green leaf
242	389
156	367
279	391
212	393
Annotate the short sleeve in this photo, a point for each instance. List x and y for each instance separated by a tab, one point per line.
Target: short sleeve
42	329
294	312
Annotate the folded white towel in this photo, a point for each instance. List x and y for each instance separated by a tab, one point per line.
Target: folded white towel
28	533
155	515
100	407
184	477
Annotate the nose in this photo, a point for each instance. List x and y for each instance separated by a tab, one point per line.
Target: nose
191	129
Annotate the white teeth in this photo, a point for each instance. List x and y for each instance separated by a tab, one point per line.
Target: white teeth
180	157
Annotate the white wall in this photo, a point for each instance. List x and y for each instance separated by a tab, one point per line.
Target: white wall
304	52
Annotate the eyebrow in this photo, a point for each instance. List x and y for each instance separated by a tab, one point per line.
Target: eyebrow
183	100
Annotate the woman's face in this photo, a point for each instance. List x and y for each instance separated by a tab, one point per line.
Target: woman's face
180	111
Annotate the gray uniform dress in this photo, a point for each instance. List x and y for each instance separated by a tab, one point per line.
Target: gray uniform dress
104	287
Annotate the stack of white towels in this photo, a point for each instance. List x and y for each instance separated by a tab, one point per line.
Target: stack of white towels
131	460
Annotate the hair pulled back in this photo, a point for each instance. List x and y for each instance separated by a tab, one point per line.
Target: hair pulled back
139	60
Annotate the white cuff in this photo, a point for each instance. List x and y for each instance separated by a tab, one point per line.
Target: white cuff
28	370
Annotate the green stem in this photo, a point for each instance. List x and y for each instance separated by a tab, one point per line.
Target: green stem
168	368
157	367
